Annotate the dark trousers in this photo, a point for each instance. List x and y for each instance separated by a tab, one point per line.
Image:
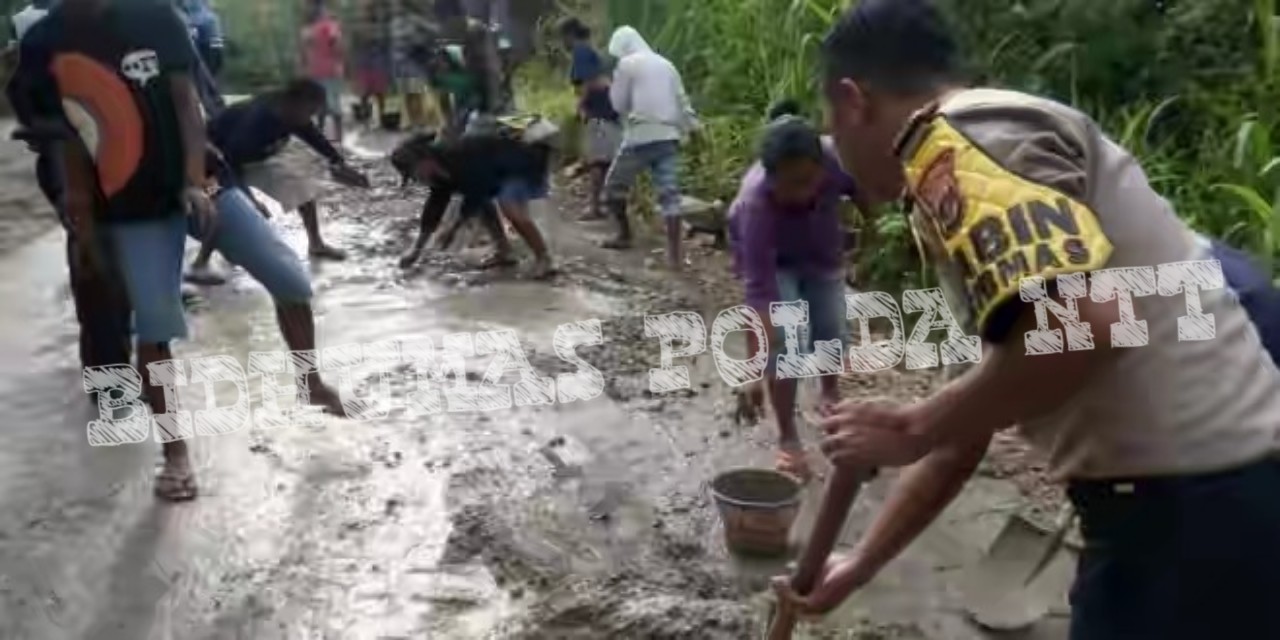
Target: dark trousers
1184	558
102	309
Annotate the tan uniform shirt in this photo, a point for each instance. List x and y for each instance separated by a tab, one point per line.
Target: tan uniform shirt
1007	185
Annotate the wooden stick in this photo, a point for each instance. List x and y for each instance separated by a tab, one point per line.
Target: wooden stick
837	500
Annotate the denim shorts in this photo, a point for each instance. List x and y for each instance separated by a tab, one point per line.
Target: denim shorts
661	160
333	88
149	257
521	190
827	316
247	240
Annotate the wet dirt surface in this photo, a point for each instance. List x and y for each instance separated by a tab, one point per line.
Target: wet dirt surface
587	519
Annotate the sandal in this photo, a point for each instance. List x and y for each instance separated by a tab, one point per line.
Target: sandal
792	461
176	486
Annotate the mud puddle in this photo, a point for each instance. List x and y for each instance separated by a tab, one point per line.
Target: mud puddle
576	520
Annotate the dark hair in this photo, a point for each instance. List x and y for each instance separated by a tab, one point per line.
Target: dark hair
787	138
303	91
574	28
413	150
783	108
901	46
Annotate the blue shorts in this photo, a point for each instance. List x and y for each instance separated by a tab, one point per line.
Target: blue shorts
827	317
149	256
521	191
333	88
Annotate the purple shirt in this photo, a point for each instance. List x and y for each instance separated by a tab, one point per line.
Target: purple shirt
767	237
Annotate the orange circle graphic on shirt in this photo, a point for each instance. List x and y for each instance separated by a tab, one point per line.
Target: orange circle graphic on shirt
110	103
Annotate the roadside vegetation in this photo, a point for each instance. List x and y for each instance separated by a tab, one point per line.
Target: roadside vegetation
1191	87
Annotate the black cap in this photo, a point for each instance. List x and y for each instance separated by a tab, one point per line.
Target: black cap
895	44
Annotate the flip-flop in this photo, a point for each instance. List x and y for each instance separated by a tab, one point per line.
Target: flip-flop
793	462
173	486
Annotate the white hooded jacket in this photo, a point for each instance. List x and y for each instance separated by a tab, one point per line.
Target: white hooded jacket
647	92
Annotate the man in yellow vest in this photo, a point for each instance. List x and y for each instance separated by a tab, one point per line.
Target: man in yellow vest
1163	423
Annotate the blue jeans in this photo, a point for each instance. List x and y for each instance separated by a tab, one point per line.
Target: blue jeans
149	257
247	240
827	317
661	160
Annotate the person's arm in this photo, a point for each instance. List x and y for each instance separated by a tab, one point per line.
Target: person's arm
584	67
339	47
686	107
759	262
81	198
215	44
19	90
918	496
620	89
310	134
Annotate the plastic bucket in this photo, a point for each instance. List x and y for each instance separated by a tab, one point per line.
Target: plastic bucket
757	508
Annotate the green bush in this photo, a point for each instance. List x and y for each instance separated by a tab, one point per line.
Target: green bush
1189	86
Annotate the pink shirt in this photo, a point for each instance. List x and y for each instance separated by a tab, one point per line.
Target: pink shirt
322	46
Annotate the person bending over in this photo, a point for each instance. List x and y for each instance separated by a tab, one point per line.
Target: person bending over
787	245
479	168
251	135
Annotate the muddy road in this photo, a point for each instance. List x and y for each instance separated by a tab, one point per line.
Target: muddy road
580	520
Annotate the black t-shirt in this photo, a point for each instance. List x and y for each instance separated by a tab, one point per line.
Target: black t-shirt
108	75
479	165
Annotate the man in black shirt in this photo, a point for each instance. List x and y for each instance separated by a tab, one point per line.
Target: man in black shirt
478	166
120	74
251	135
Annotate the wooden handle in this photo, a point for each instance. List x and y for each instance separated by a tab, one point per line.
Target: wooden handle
842	490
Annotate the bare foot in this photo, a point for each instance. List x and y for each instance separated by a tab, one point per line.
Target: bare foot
542	269
409	259
176	483
322	395
326	252
793	461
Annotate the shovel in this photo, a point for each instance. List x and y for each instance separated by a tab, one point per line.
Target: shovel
1023	575
841	492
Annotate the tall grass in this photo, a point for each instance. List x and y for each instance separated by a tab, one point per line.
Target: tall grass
1190	87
